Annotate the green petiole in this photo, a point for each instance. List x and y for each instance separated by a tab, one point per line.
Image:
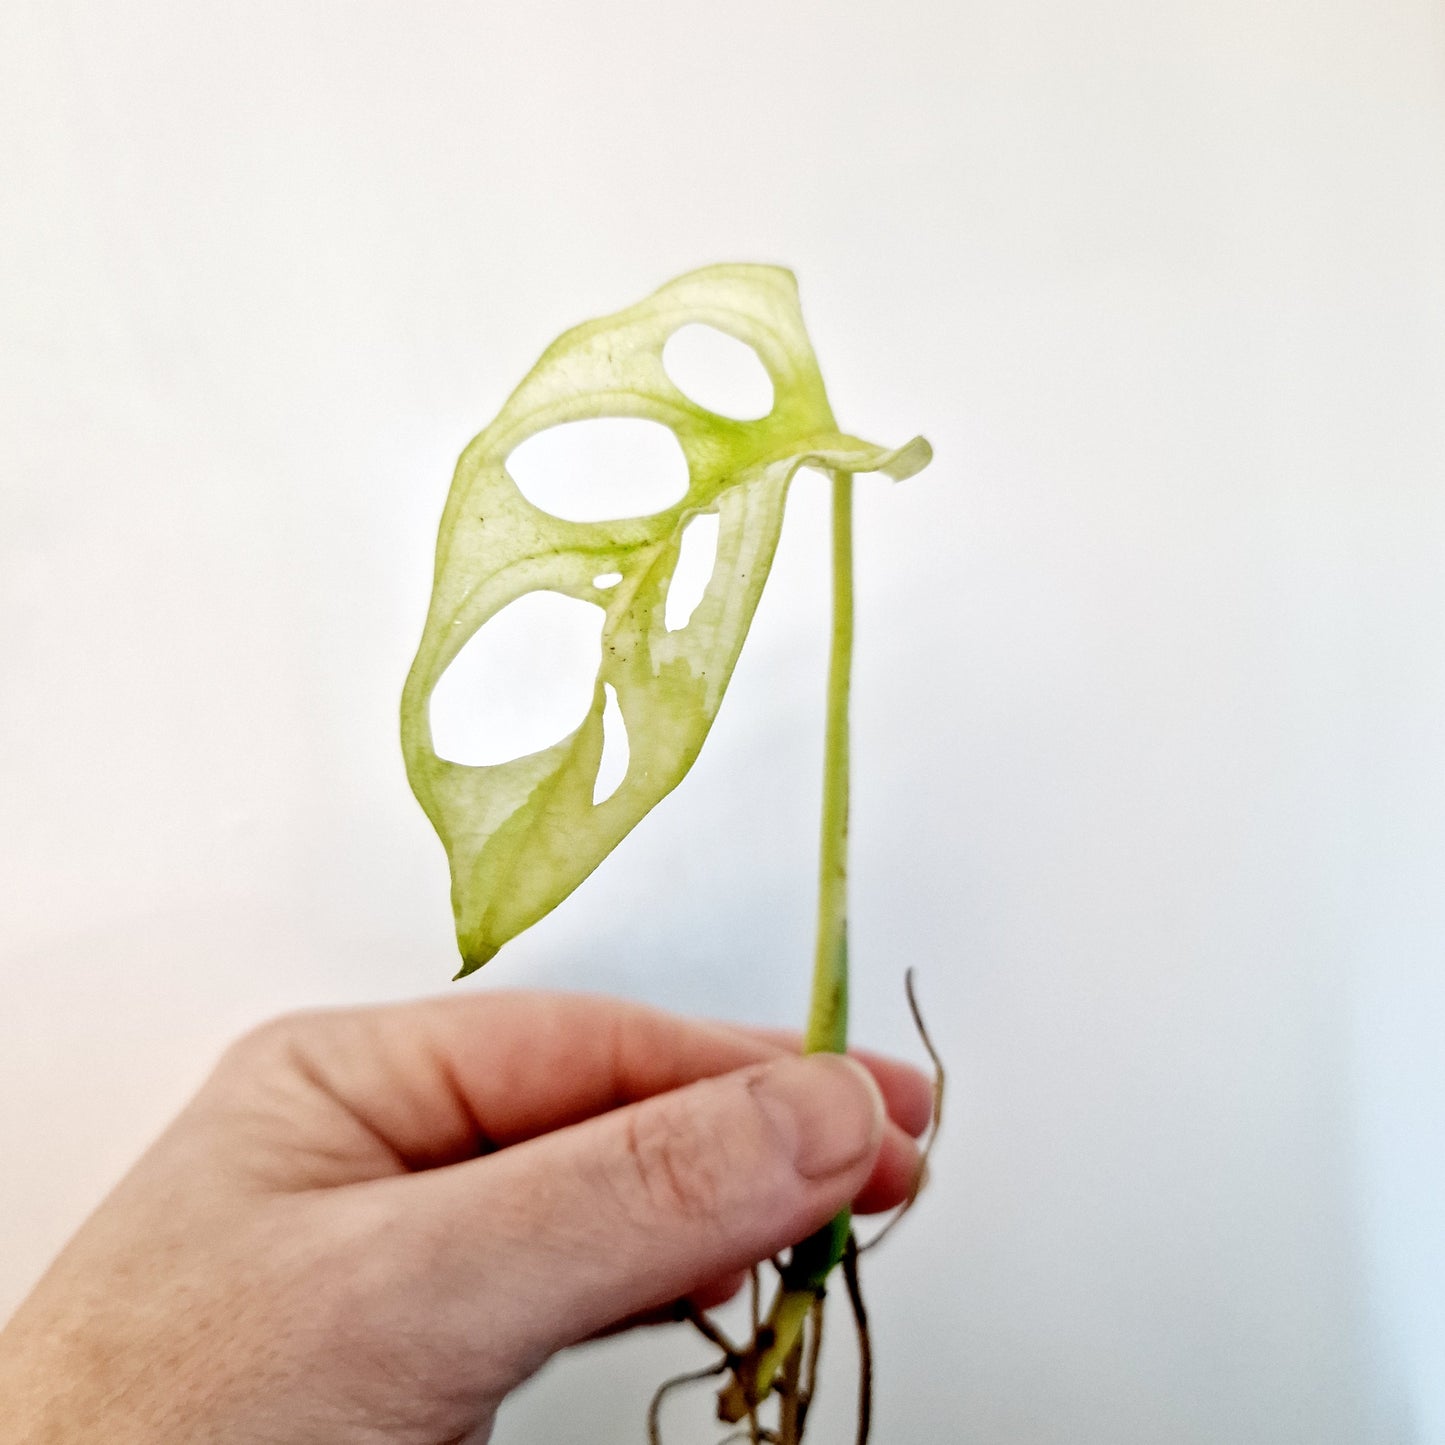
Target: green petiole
828	1014
815	1258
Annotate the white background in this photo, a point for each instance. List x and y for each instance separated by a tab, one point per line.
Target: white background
1151	663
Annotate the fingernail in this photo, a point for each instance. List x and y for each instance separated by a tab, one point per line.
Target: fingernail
827	1108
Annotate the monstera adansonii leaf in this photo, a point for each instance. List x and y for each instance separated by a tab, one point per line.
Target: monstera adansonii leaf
521	835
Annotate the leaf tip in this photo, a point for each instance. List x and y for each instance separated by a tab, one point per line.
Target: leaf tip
473	958
909	460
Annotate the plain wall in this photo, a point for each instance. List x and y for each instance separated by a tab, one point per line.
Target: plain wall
1150	753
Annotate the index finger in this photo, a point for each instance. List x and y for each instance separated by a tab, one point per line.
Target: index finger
440	1079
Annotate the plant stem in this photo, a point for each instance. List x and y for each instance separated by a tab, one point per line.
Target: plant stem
828	1014
827	1031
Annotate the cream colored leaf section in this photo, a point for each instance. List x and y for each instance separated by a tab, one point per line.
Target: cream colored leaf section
521	835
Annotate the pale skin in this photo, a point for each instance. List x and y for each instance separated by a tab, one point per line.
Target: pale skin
370	1225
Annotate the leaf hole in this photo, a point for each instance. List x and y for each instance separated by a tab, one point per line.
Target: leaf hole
522	683
696	558
601	469
719	372
607	579
615	752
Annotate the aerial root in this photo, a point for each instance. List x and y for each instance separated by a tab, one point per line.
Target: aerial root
865	1340
690	1314
691	1377
743	1397
940	1080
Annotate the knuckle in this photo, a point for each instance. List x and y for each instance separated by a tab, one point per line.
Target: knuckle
273	1045
250	1051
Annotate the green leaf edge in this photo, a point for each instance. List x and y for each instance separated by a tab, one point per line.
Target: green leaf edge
522	835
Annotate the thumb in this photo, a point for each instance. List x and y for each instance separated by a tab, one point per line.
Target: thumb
565	1235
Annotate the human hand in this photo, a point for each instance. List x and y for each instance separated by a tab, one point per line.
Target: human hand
371	1224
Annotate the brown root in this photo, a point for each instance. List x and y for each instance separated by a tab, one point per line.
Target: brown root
788	1395
654	1410
865	1341
940	1080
